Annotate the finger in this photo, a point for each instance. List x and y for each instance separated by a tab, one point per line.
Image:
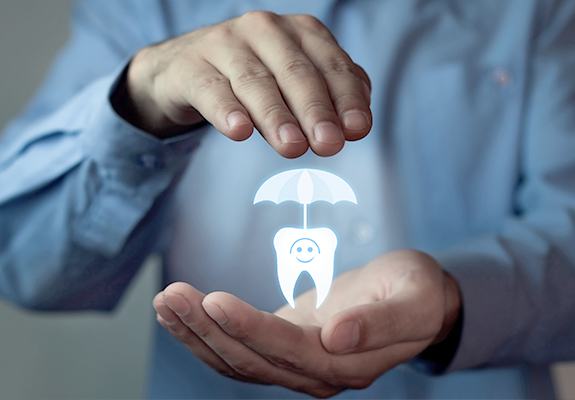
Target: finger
199	349
186	302
170	321
318	30
347	91
255	87
366	82
302	87
164	311
299	348
377	325
210	93
347	83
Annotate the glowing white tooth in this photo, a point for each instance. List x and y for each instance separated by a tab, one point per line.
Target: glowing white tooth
310	250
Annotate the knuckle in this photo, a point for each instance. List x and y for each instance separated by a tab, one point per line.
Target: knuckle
219	33
249	74
260	17
311	22
273	112
223	31
339	65
296	68
207	82
314	108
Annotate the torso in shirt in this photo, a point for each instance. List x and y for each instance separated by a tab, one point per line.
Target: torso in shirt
440	165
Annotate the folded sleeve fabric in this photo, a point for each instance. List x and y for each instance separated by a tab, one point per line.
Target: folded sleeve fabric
518	284
79	185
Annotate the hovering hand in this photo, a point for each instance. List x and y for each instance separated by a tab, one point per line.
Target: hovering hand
284	74
375	318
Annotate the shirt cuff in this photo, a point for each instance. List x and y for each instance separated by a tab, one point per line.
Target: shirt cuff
436	358
126	152
486	285
133	168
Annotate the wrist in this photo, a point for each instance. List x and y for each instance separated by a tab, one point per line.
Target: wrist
134	101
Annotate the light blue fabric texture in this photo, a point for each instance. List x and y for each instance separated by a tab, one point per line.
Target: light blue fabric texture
471	158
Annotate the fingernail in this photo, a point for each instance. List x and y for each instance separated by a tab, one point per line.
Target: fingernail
345	337
237	118
215	312
290	133
355	120
177	303
327	132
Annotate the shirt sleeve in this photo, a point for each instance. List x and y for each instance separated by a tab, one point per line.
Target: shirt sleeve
518	284
80	188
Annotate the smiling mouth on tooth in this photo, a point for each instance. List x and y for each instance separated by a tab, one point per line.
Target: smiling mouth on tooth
304	261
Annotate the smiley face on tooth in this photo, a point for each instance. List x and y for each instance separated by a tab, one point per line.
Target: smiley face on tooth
304	250
309	250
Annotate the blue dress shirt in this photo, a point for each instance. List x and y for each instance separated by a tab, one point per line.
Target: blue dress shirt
471	158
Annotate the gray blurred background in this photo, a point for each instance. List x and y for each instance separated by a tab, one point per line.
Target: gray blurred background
63	356
89	355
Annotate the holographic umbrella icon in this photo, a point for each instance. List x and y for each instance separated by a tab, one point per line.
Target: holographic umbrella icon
309	250
305	186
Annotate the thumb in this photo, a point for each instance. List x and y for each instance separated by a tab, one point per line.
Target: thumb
380	324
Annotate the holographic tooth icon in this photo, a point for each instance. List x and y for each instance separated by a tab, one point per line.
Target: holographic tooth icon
310	250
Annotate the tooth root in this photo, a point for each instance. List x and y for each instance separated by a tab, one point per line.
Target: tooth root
322	276
287	281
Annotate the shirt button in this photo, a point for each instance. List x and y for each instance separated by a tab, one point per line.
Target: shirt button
150	161
363	232
501	76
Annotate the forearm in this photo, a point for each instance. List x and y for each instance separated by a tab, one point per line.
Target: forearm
78	202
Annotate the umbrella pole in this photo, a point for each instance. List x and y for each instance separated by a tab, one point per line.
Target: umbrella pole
305	216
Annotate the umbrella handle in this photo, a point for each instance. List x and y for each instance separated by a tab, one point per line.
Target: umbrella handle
305	216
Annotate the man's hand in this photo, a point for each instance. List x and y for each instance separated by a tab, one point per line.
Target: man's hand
285	75
375	318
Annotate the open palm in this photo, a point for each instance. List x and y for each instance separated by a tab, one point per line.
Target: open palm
375	318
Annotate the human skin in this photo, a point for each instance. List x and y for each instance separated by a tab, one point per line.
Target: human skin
375	317
286	75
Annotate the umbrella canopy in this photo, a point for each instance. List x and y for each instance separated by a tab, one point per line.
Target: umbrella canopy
305	186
